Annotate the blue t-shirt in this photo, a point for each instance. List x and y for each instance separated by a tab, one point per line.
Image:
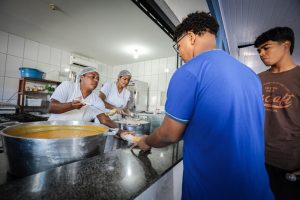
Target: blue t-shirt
220	101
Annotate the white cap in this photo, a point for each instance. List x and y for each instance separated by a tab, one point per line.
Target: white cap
85	70
124	73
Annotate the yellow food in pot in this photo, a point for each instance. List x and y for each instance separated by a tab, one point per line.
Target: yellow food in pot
55	131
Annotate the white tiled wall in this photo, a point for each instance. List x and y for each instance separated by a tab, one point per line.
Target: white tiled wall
152	72
16	52
3	41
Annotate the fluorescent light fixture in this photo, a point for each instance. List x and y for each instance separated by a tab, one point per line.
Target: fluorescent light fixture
166	70
67	69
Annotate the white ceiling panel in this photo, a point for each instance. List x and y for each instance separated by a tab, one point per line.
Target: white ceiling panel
99	29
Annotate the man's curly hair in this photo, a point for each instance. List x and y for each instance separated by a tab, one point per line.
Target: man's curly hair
198	23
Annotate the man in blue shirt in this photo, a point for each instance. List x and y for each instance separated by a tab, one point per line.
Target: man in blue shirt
214	103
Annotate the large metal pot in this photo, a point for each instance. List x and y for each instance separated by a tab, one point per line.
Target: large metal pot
28	156
141	126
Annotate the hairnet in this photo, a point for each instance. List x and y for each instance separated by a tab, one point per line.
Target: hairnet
85	70
124	73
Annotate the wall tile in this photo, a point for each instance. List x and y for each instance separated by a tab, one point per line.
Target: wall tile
163	97
169	76
1	87
171	63
52	71
3	42
2	64
44	54
29	63
31	50
55	57
15	45
120	68
104	70
75	69
54	75
162	65
110	71
152	108
12	66
148	80
100	68
63	78
134	70
115	71
153	98
65	58
162	79
154	82
158	99
65	68
128	67
148	68
10	88
155	67
141	68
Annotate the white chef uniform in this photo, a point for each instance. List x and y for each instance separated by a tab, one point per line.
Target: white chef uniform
66	92
115	98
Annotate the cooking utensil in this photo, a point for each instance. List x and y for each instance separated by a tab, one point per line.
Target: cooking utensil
141	126
31	155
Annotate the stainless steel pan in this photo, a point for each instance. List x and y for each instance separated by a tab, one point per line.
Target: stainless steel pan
31	155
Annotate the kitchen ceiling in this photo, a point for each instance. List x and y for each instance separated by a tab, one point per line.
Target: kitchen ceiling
244	20
105	30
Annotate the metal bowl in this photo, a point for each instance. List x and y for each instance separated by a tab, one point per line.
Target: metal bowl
28	156
141	126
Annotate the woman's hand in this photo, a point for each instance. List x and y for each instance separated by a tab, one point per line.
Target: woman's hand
120	111
77	104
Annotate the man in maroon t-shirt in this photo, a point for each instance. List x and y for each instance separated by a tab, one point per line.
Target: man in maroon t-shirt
281	95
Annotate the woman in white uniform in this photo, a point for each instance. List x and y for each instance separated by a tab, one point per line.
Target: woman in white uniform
76	101
115	95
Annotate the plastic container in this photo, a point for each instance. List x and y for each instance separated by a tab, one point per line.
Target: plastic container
34	102
31	73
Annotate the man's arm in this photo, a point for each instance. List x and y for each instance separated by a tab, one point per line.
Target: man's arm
57	107
169	132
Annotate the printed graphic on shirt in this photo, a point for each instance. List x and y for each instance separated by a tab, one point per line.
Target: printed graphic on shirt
277	96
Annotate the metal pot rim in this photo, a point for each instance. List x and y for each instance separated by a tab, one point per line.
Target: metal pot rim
55	122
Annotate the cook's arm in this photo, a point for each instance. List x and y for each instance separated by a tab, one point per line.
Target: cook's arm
57	107
169	132
126	110
106	121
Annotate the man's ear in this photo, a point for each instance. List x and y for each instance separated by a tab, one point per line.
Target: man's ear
287	44
192	37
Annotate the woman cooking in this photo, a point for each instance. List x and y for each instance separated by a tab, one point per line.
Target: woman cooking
76	101
115	95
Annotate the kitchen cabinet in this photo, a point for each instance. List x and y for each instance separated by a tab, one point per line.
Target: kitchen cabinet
34	94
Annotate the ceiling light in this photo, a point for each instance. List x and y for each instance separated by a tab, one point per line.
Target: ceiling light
52	7
166	70
67	69
136	54
135	50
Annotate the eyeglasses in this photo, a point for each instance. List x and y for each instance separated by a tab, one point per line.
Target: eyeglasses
176	46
